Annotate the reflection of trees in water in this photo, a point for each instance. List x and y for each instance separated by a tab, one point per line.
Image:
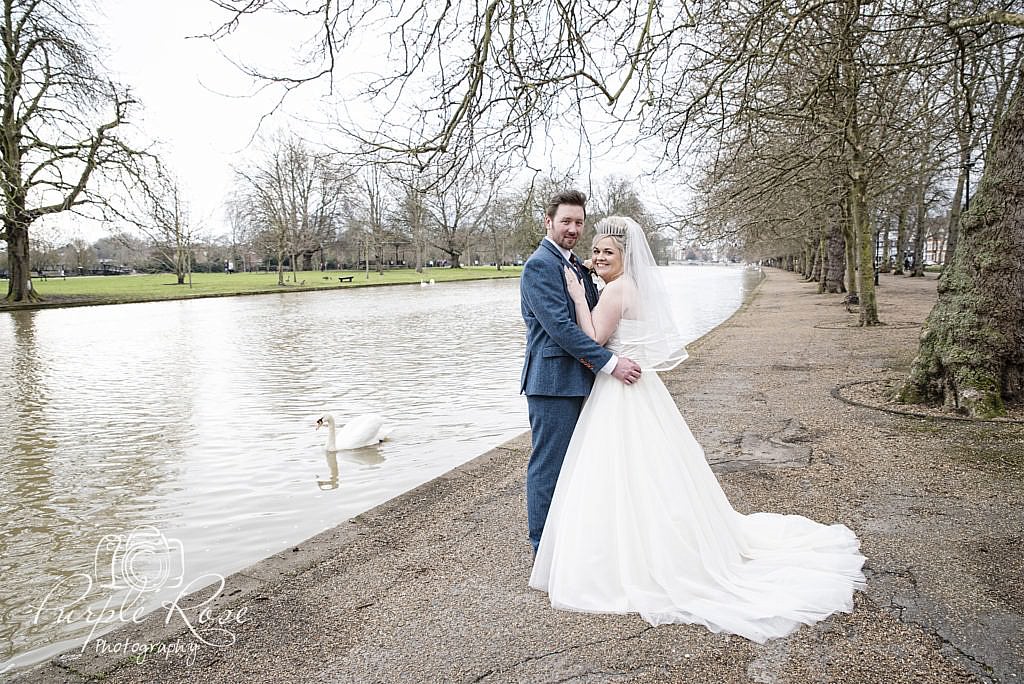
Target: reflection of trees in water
25	481
87	455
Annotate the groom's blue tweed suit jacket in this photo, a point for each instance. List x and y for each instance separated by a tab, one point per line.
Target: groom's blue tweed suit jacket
560	359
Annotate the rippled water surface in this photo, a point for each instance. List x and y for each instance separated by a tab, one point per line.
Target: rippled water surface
197	418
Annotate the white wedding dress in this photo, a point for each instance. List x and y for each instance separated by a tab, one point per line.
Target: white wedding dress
640	524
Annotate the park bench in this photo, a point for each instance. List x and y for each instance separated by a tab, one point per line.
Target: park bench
51	273
345	279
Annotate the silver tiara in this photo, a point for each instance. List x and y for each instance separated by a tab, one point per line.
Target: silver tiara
610	226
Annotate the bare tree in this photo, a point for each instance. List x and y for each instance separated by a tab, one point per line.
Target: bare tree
507	66
370	212
59	125
296	195
979	80
166	222
502	221
731	81
411	215
458	211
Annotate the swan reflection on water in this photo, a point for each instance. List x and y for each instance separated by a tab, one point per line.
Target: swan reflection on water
366	456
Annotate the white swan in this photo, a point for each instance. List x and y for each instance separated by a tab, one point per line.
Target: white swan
365	430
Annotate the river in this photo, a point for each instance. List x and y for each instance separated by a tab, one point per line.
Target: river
193	422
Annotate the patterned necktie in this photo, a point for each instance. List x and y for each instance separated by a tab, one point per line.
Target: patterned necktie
584	276
576	265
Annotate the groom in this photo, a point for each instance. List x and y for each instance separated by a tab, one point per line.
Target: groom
561	359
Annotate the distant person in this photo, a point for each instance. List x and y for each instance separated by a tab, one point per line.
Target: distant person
638	522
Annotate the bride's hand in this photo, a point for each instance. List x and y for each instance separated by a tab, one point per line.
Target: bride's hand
575	287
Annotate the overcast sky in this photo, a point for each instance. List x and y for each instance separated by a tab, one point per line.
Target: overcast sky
203	110
194	101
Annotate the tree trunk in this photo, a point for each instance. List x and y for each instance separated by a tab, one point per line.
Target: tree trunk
971	356
179	261
812	262
850	241
917	270
499	253
19	286
866	249
953	229
835	261
920	233
901	240
886	265
822	258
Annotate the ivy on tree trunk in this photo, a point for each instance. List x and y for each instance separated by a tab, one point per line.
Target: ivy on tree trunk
971	356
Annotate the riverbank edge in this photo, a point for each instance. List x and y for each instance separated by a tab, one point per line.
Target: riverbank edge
287	289
381	591
242	585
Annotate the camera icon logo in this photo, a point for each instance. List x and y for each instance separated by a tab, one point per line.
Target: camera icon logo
143	560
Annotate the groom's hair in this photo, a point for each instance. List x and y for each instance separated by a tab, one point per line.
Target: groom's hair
571	197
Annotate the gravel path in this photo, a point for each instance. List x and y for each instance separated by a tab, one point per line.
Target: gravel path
431	586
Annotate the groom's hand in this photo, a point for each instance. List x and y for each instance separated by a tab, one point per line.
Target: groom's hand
626	370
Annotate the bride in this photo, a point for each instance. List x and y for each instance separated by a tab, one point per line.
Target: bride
639	523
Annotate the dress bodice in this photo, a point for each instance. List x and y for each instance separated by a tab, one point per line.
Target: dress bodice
644	344
628	331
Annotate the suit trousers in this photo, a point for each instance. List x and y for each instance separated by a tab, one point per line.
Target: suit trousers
552	421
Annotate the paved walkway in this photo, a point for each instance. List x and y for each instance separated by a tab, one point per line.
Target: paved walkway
431	586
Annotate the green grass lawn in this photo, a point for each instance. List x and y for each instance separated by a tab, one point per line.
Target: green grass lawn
135	288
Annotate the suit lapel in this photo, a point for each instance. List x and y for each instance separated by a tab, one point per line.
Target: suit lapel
547	244
588	282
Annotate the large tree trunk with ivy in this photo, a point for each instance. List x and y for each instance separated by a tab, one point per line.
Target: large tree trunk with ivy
971	356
